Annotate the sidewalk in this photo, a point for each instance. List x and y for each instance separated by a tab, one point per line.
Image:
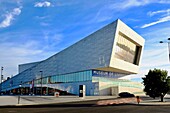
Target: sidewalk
38	100
102	100
157	101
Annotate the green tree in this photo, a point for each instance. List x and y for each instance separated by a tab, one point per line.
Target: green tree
157	83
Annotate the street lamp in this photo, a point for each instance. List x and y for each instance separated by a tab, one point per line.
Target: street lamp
2	68
20	93
41	81
20	89
168	41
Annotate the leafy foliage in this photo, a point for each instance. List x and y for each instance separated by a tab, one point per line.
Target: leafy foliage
156	82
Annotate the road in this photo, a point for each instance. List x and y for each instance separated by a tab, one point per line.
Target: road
86	107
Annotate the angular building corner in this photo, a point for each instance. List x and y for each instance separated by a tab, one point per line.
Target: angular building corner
97	61
127	49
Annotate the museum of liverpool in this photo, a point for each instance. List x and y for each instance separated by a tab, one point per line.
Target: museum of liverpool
98	62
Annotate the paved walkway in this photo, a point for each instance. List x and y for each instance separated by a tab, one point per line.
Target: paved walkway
37	100
157	101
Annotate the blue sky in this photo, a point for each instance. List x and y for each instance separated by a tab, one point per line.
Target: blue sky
33	30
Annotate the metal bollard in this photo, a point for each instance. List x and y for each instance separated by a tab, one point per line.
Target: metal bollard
18	99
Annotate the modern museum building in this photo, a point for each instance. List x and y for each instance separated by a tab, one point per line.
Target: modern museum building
97	62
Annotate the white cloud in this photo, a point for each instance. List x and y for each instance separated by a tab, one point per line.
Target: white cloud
152	13
164	14
42	4
124	4
9	17
15	54
42	17
16	11
164	1
52	39
155	58
102	15
44	24
132	3
161	20
7	21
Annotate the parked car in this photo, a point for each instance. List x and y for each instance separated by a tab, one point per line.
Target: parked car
126	94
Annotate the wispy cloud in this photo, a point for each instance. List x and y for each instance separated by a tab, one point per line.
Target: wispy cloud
42	17
50	38
124	4
42	4
132	3
152	13
154	58
19	53
102	15
9	17
44	24
164	14
68	3
161	20
164	1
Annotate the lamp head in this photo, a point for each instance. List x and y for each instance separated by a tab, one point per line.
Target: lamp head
162	41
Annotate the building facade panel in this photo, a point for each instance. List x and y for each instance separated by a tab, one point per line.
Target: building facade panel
23	67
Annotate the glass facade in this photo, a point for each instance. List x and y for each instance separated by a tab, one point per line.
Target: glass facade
66	78
96	80
126	50
77	77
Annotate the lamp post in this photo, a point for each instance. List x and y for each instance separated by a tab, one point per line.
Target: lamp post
41	81
2	68
164	82
20	93
168	41
20	88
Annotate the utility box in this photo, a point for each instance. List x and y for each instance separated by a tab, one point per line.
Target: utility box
82	90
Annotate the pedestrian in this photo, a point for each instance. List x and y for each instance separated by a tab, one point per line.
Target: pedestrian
138	99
